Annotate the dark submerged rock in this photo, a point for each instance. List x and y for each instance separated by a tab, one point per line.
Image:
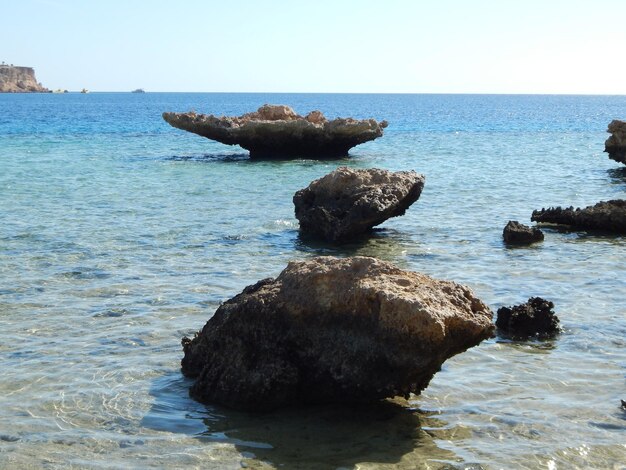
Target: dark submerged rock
615	145
276	131
331	330
533	318
606	215
519	234
347	203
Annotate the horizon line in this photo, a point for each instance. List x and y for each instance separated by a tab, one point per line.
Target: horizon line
339	93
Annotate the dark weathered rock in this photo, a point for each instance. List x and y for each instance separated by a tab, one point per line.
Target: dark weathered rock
615	145
346	203
276	131
609	216
332	330
534	318
519	234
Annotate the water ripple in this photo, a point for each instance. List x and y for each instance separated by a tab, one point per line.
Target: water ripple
120	235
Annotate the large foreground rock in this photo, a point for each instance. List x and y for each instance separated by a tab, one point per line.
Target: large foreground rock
615	145
332	330
347	203
609	216
276	131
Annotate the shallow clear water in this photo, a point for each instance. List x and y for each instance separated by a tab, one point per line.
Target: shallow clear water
119	235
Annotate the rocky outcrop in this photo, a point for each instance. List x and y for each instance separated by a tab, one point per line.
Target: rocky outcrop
515	233
346	203
609	216
332	330
276	131
19	80
535	318
615	145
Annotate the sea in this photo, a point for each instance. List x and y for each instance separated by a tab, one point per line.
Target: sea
119	235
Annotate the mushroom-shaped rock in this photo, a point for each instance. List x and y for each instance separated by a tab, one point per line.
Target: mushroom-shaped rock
615	145
276	131
609	216
346	203
519	234
331	330
533	318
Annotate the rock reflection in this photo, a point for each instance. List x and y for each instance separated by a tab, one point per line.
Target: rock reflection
385	244
617	175
210	157
372	436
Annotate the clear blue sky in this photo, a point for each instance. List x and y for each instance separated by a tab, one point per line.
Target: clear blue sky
390	46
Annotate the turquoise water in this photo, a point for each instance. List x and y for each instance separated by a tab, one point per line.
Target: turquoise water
119	235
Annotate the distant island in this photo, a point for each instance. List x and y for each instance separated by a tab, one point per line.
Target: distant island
138	90
14	79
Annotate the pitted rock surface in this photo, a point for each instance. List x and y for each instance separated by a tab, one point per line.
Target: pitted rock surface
276	131
608	216
515	233
347	203
615	145
535	318
332	330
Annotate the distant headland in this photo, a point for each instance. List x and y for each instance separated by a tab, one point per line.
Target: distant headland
14	79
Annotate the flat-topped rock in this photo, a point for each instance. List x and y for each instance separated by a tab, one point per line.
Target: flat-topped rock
347	203
276	131
331	330
615	145
609	216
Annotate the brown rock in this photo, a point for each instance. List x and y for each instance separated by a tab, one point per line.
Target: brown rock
519	234
332	330
609	216
615	145
276	131
316	117
346	203
19	80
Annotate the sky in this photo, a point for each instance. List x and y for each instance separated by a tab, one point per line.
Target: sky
326	46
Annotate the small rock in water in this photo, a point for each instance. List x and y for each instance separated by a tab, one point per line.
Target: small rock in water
516	233
533	318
